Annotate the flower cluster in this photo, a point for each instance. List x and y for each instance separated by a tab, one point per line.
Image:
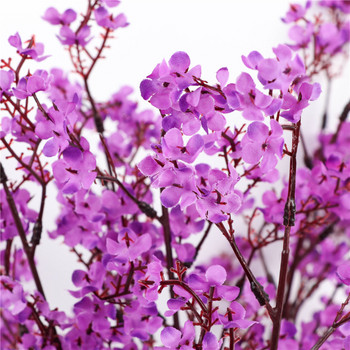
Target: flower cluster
139	192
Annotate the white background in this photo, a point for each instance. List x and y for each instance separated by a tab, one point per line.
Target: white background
214	33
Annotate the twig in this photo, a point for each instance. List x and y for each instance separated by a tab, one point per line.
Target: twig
21	232
288	222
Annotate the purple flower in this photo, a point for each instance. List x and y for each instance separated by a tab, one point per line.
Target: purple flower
174	149
237	317
215	276
54	17
75	170
164	86
6	79
111	3
170	337
301	35
129	246
331	39
210	342
342	5
68	37
260	142
252	101
293	107
106	20
185	222
35	52
222	76
12	296
296	12
179	62
27	86
343	272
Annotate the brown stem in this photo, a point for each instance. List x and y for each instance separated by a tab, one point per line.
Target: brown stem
143	206
21	231
338	321
7	256
38	226
288	222
99	52
19	160
256	287
187	289
231	331
291	274
164	220
24	57
342	119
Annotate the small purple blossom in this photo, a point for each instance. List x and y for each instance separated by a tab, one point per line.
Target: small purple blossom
262	143
343	272
54	17
68	37
35	51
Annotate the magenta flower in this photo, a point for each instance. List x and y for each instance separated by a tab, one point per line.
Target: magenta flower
343	272
260	142
129	246
6	80
111	3
173	338
35	52
296	12
12	297
75	170
331	39
293	106
342	5
167	81
68	37
27	86
106	20
54	17
252	101
174	149
215	276
301	35
170	337
238	320
210	342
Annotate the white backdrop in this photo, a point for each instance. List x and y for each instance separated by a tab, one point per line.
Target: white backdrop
214	33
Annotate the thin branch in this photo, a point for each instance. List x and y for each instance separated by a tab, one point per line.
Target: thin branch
256	287
288	222
21	232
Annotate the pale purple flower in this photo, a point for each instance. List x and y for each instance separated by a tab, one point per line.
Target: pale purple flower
106	20
27	86
54	17
75	170
129	246
222	76
210	342
343	272
173	146
237	320
262	142
35	51
296	12
68	37
170	337
6	80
